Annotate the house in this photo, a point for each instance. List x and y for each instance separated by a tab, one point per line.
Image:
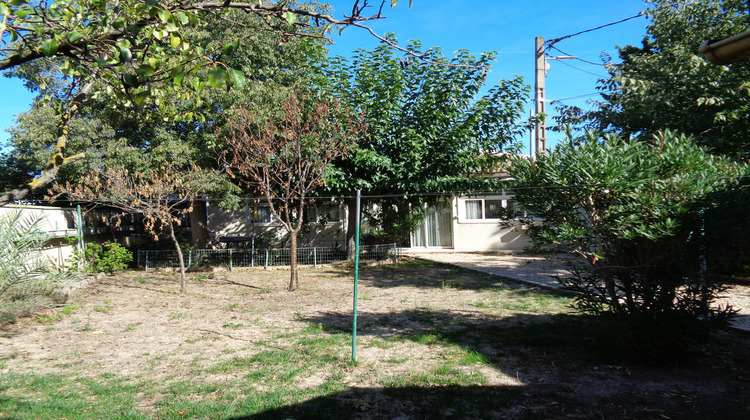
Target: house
254	225
471	223
463	223
66	229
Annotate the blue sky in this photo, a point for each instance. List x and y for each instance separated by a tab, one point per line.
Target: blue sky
507	27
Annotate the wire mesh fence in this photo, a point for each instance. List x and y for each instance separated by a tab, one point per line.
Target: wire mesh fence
148	258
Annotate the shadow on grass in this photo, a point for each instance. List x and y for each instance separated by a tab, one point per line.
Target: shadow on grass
424	274
569	339
475	402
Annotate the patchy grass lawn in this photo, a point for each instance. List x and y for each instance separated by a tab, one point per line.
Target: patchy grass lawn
433	342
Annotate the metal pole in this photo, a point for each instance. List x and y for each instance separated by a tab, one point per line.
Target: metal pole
80	238
356	280
539	94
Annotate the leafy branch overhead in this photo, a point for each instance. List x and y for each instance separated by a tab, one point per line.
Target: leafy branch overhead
146	54
133	46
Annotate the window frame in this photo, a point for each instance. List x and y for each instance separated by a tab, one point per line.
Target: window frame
505	198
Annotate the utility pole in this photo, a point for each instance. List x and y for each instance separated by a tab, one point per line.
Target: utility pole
540	72
539	94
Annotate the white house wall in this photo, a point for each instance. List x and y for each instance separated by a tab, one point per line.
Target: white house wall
487	234
480	235
55	223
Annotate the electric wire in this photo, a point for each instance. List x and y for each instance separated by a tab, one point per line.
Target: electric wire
576	97
582	70
578	58
552	42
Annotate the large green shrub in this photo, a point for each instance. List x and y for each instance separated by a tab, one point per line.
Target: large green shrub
26	278
105	258
634	211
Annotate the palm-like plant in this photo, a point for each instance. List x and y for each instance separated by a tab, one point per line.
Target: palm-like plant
25	275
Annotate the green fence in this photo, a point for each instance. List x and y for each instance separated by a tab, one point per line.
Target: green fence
261	257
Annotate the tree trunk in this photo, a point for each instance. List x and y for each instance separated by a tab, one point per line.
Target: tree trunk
198	227
293	260
351	226
181	260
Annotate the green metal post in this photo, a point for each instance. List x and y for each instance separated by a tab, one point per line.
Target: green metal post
356	279
230	259
79	232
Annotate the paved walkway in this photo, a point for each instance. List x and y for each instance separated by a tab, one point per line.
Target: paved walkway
541	271
532	269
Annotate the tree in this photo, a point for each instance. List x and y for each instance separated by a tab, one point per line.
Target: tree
286	158
101	132
161	196
666	84
138	51
632	210
428	132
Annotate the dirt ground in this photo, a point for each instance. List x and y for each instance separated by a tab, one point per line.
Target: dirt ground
137	323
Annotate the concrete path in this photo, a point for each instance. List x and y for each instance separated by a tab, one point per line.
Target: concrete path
540	271
531	269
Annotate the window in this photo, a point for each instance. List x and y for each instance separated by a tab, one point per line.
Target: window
259	214
324	212
487	208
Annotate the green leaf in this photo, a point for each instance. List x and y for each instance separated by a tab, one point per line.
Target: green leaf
217	77
178	78
182	17
145	70
174	40
290	17
125	54
140	97
4	9
49	47
198	85
236	78
119	23
231	47
74	37
177	70
164	15
131	80
154	62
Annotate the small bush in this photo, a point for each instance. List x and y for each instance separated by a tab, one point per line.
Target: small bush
107	257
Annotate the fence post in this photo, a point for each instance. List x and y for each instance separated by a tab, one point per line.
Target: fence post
395	252
230	259
266	266
315	257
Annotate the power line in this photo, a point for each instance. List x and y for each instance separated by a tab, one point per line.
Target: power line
577	97
578	58
582	70
552	42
